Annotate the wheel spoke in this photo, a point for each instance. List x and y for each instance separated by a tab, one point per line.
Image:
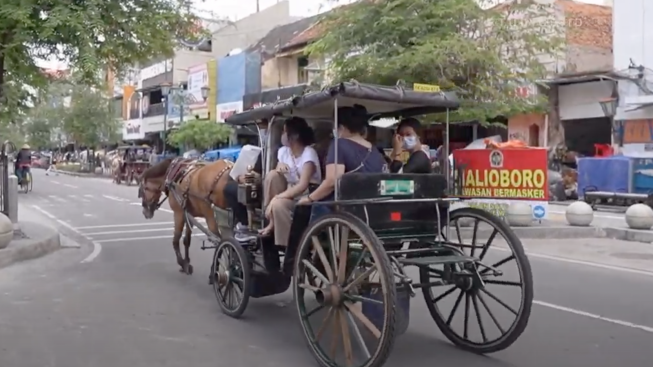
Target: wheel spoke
308	287
455	307
313	311
360	278
466	322
342	262
502	282
315	271
324	325
360	259
488	243
346	339
238	281
474	231
499	301
497	264
362	299
363	319
359	336
496	322
334	334
445	294
460	239
317	246
334	253
478	318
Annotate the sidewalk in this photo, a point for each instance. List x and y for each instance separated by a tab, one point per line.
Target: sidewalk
36	237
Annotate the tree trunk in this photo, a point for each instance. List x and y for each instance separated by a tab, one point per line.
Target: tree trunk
556	132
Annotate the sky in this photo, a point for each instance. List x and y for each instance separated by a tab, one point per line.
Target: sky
238	9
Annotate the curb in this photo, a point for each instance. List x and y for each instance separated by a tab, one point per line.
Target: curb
627	234
29	251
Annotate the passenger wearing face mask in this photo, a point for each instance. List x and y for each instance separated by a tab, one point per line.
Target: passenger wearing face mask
407	139
297	173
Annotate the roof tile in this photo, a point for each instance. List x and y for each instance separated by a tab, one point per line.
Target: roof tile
587	24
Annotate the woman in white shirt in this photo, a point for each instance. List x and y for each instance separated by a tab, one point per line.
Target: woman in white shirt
298	168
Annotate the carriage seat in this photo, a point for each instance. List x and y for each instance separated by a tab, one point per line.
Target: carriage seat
396	218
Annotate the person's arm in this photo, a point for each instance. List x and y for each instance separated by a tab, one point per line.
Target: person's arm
395	166
311	162
418	162
333	172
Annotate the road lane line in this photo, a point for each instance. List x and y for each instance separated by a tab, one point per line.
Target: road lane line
136	231
143	224
56	198
114	198
56	182
574	311
71	186
143	238
581	262
97	248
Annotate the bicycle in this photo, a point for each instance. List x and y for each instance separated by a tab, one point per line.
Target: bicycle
26	183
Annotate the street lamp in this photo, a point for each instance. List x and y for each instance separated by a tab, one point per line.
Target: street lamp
165	88
165	91
609	107
205	92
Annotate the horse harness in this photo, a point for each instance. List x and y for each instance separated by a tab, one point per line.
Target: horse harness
181	169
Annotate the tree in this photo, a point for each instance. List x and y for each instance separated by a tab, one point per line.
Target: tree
90	35
200	134
90	119
482	54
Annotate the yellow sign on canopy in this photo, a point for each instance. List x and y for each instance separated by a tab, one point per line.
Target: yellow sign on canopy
426	88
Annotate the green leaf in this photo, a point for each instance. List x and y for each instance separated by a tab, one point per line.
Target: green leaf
200	134
482	54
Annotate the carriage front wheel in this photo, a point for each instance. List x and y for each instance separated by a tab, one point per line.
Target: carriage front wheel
345	293
480	304
231	277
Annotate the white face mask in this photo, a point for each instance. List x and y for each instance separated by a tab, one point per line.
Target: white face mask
410	142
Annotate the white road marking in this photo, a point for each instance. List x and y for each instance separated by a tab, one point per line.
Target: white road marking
55	197
581	262
88	215
136	231
97	248
56	182
166	210
88	196
647	329
114	198
136	204
142	238
71	186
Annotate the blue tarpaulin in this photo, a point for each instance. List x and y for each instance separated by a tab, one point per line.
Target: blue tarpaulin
230	153
610	174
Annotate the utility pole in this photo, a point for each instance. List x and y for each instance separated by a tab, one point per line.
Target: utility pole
258	6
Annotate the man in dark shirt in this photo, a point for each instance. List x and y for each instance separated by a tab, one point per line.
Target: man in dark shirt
23	162
407	139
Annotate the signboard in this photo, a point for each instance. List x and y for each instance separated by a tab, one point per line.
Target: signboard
198	77
226	110
638	131
396	187
426	88
493	179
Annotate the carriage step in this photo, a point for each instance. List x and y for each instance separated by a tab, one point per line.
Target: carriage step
433	260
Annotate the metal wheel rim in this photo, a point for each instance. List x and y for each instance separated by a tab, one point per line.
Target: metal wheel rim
481	301
227	261
344	315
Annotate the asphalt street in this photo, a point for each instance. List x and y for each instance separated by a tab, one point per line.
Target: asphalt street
120	301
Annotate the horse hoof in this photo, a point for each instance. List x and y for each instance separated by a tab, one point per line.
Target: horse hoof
182	270
189	269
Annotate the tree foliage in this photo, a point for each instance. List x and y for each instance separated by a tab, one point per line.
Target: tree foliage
460	45
90	119
89	35
200	134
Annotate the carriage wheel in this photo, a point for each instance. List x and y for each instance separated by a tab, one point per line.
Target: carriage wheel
130	178
475	289
343	266
231	278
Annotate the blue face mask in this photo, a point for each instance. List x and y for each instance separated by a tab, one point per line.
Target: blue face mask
410	142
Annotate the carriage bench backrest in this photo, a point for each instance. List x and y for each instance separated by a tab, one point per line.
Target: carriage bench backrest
414	217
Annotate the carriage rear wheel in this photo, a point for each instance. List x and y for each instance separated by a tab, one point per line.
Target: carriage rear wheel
231	278
345	293
480	285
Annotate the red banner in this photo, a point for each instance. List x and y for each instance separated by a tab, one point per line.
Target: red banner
509	174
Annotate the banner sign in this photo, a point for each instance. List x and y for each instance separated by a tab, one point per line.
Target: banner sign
493	179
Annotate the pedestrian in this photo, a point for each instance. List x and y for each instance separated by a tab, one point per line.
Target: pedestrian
52	166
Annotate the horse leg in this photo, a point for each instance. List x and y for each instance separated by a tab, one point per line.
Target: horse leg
187	238
179	228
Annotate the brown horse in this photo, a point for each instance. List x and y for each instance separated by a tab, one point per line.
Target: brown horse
192	188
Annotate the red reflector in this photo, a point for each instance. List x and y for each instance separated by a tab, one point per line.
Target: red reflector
395	216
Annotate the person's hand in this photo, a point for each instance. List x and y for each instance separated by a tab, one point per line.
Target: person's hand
268	209
241	179
282	167
397	143
304	200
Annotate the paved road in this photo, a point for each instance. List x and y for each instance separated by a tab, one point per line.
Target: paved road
128	306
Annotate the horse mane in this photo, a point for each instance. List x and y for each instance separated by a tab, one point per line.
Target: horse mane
158	170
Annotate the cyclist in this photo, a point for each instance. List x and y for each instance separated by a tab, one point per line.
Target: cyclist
23	162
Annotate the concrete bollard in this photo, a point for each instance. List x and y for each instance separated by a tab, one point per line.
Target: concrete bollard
639	216
12	200
519	215
6	231
579	214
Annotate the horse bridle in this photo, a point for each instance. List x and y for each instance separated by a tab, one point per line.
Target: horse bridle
152	206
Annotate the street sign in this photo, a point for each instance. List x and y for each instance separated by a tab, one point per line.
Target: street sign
426	88
539	212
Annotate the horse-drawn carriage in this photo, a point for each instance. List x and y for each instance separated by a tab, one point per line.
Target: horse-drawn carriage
131	162
348	267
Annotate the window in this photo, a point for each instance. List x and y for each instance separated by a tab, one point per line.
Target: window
302	73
